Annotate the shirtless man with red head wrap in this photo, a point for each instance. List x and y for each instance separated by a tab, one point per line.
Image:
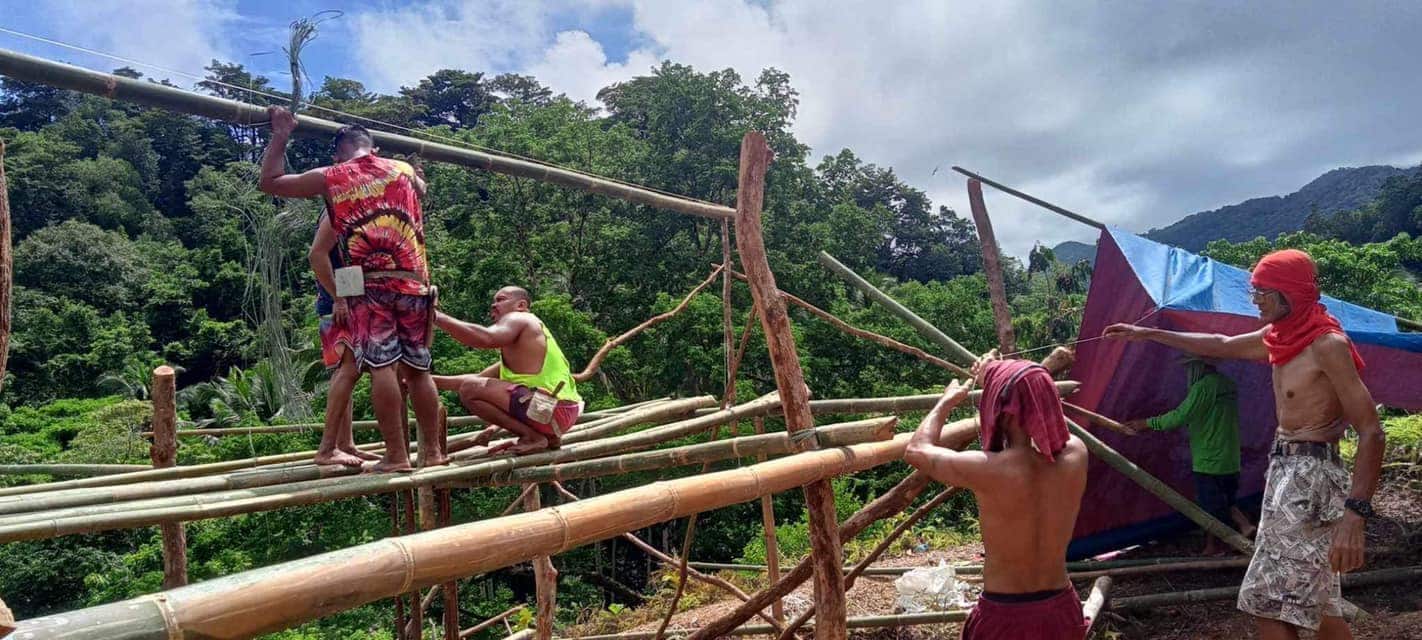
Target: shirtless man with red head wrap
1311	528
1028	478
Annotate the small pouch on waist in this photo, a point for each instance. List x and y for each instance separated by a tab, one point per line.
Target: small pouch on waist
350	281
541	405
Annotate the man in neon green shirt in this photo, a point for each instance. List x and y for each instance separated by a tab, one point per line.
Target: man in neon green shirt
530	391
1211	410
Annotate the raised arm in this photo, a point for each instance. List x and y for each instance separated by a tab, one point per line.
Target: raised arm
275	180
948	466
496	336
1246	346
1336	359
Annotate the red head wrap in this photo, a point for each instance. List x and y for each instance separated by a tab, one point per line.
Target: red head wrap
1291	272
1024	390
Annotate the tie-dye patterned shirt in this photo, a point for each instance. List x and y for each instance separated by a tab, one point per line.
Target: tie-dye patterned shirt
375	212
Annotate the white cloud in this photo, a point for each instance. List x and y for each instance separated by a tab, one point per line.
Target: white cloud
577	65
182	35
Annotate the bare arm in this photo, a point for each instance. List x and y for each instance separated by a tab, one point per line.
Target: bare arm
1336	360
275	180
1246	346
320	255
948	466
496	336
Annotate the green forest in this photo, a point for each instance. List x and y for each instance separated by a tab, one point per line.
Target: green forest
140	239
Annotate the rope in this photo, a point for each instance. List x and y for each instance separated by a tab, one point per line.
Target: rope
413	132
1157	309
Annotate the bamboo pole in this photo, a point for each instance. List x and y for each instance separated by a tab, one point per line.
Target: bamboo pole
789	379
395	532
1161	490
962	355
992	265
772	541
164	452
858	622
669	561
415	626
226	503
1037	201
7	268
728	396
1096	602
31	69
596	361
878	550
490	622
70	470
265	477
1096	418
265	600
1350	581
545	578
1081	570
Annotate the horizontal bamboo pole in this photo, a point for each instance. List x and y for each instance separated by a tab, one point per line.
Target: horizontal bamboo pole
270	476
1085	569
491	621
859	622
70	470
265	600
31	69
1350	581
186	508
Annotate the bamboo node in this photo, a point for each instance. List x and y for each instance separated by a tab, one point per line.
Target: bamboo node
408	564
170	618
564	526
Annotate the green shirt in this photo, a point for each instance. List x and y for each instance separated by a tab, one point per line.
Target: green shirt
1212	411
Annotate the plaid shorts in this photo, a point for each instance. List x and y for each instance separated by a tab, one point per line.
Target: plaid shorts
1290	578
386	327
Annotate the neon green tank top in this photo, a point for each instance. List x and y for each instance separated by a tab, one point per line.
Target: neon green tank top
555	369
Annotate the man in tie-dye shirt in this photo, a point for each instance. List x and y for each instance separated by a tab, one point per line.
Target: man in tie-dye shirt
376	224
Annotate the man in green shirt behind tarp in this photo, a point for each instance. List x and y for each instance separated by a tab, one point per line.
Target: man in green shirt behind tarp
1211	409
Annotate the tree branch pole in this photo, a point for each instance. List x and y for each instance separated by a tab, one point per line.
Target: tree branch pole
596	361
7	267
962	355
490	622
789	379
728	397
545	578
31	69
164	452
1034	200
772	541
669	561
992	265
874	554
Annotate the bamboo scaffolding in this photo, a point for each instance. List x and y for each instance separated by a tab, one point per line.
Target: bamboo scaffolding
789	380
858	622
491	621
992	258
265	477
280	596
227	503
596	361
7	270
70	470
1096	602
164	453
670	561
31	69
925	329
1350	581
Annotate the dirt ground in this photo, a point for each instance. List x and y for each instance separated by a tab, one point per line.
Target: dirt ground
1393	612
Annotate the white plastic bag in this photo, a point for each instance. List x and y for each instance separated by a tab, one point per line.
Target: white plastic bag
931	589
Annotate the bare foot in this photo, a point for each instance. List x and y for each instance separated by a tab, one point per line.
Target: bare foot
483	437
435	461
523	446
337	457
360	453
386	466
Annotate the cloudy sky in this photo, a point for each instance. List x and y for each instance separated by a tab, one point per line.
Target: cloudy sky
1134	113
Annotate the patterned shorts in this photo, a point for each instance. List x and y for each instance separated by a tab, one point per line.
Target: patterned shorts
1290	579
335	340
386	327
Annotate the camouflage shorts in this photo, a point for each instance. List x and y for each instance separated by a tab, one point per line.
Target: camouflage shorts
1290	579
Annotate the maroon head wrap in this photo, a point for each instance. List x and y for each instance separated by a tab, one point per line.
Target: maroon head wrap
1024	390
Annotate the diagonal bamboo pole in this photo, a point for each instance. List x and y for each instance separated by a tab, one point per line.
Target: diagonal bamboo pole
31	69
925	329
491	621
272	598
789	379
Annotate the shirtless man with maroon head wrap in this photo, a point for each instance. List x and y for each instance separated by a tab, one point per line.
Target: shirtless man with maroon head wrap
1311	528
1028	479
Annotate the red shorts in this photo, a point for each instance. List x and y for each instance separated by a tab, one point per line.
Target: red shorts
565	414
387	327
335	340
1052	617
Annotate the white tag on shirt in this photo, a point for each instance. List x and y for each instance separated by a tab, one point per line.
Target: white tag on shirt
350	281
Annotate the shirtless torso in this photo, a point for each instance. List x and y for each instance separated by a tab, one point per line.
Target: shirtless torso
1306	402
529	347
1027	509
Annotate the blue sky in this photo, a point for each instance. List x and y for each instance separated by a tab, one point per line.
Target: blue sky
1136	114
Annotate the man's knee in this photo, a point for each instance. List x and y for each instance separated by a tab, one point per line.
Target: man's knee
474	388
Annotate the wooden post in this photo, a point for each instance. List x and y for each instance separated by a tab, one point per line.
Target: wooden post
164	453
415	626
545	578
772	542
790	380
6	267
399	597
451	588
992	265
959	353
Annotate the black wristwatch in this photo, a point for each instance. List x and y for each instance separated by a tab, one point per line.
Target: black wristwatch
1361	507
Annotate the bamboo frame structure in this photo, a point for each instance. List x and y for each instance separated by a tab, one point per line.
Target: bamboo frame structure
924	328
70	470
992	265
164	452
55	74
264	600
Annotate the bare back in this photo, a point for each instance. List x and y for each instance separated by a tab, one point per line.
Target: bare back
528	350
1306	401
1027	512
